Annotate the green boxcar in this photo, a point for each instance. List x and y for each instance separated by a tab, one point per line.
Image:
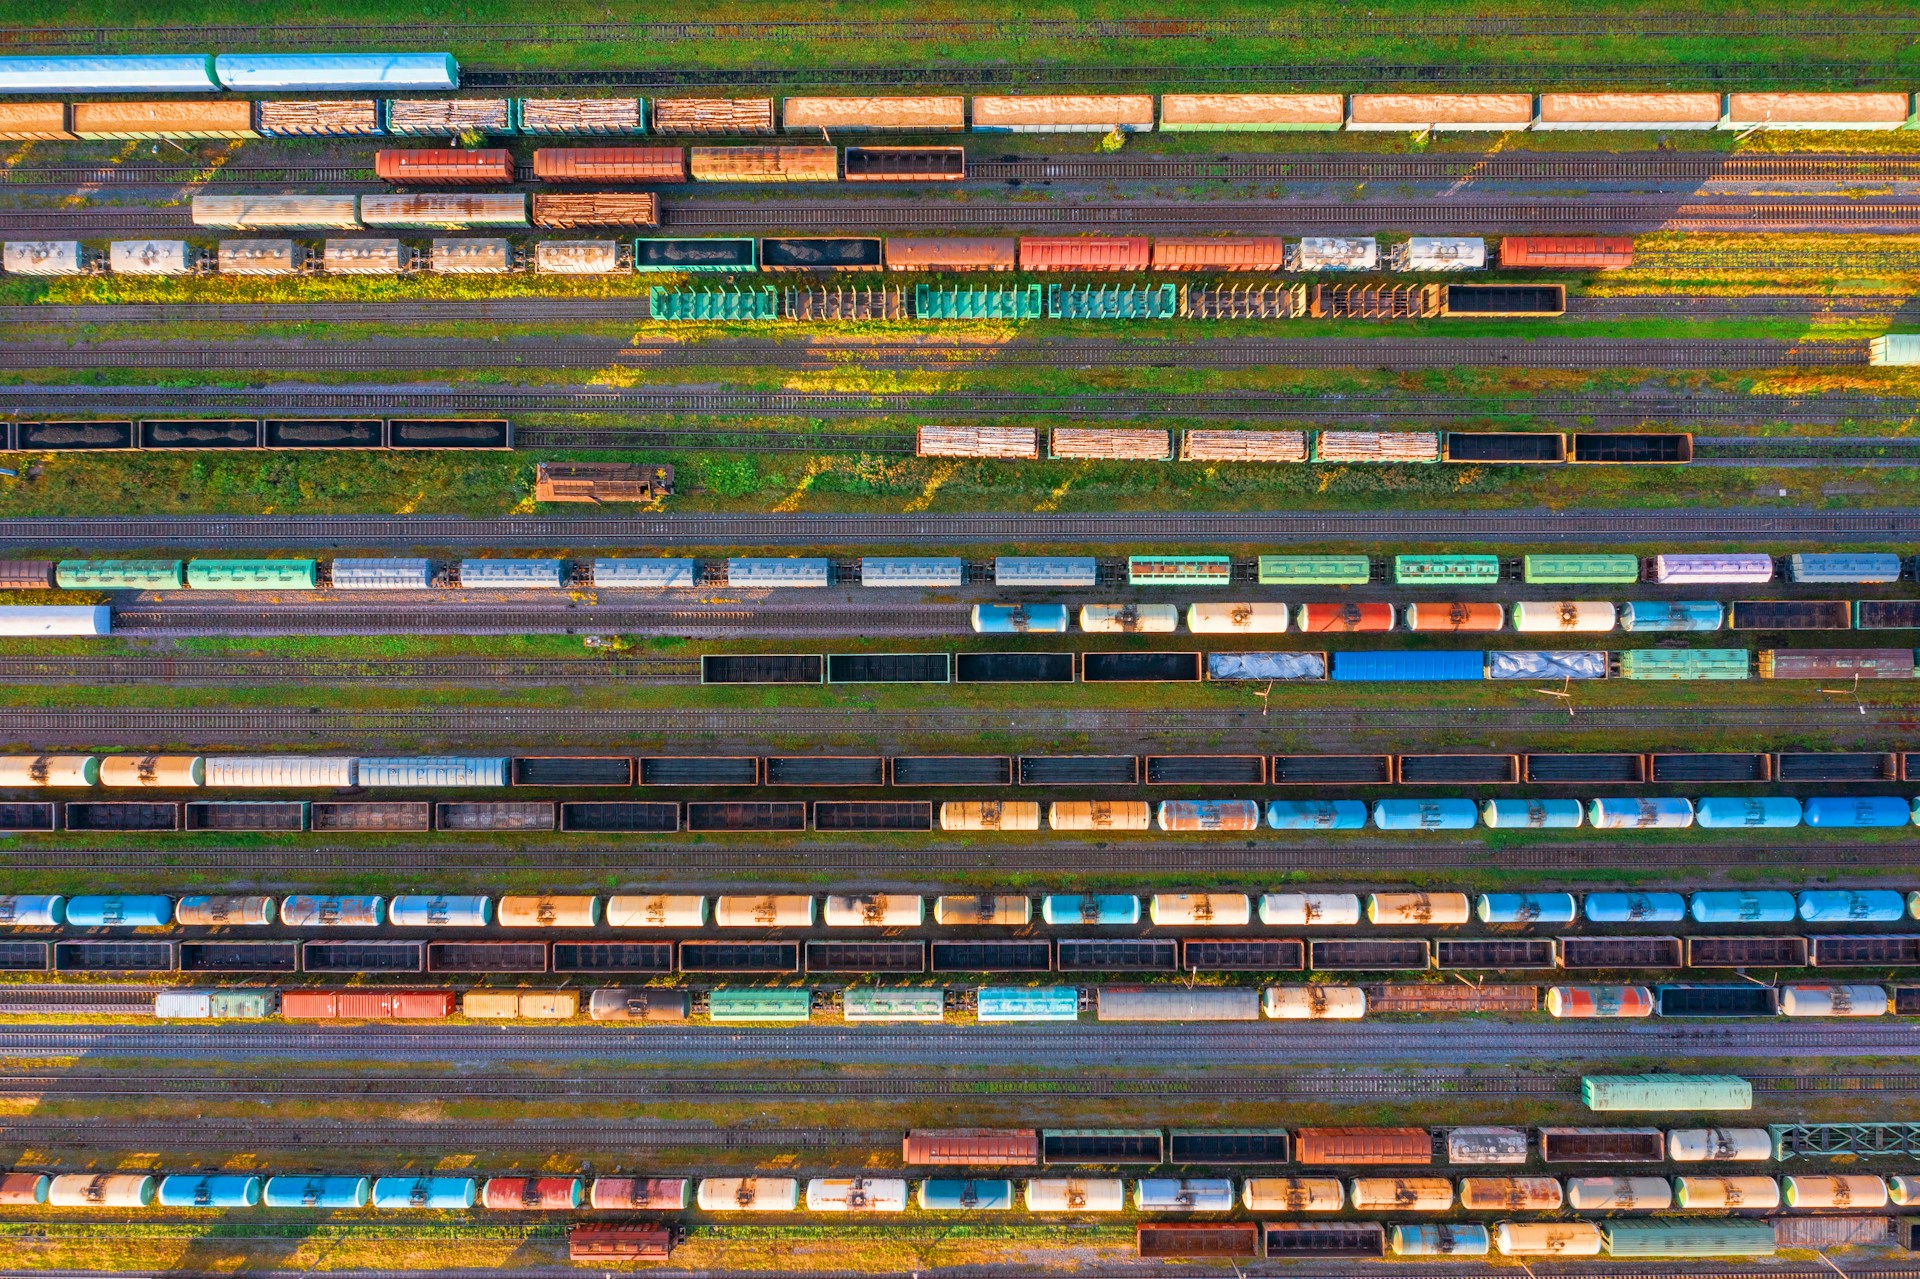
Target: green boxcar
1596	570
1315	570
1113	301
250	1004
1664	1238
695	305
118	575
1016	302
1446	570
253	575
1179	570
1666	1092
748	1003
1686	663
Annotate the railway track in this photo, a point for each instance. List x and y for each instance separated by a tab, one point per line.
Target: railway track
1613	216
1185	1046
756	619
801	859
575	310
358	170
253	672
1343	1269
1698	409
1054	353
1404	529
215	726
258	1133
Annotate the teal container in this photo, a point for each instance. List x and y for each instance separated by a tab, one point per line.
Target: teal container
253	575
1686	663
446	1194
696	306
118	575
1658	1237
1665	1092
1584	570
942	1194
1526	908
1113	301
1315	570
1017	302
1446	570
746	1003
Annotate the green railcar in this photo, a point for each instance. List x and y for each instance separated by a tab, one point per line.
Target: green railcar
1446	570
752	1003
1179	570
1013	302
760	302
1315	570
253	575
249	1004
1686	663
1592	570
119	575
1113	301
1687	1093
1659	1237
894	1003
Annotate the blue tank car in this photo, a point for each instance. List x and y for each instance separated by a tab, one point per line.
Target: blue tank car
192	1190
1526	908
943	1194
317	1192
1426	814
434	1193
1634	908
130	911
1743	906
1747	812
1090	908
1317	814
1532	814
1836	812
1852	906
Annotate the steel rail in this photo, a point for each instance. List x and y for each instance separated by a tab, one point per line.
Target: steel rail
1452	411
1407	529
254	672
1546	352
1185	1045
691	621
1344	1269
258	1132
296	863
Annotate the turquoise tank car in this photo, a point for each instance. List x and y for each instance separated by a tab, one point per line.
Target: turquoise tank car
442	1193
1743	906
1673	615
1090	908
1747	812
192	1190
1526	908
1634	908
1425	814
134	910
1852	906
1027	1003
1842	812
1317	814
317	1192
943	1194
1532	814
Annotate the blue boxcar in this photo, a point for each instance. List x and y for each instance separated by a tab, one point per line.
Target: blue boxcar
413	910
1870	567
445	1193
914	570
1526	908
316	1192
1673	615
1426	814
134	910
513	575
942	1194
1093	908
1852	906
1738	812
1743	906
191	1190
1046	570
1409	667
1635	908
279	72
1317	814
1027	1003
647	574
1533	814
1020	619
1848	811
118	73
780	571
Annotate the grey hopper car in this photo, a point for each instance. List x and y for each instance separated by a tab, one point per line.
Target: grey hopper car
364	257
407	574
487	255
152	257
878	570
1046	570
646	574
1178	1003
779	572
548	575
576	257
45	257
260	257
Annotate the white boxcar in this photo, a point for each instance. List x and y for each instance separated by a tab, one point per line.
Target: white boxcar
1338	253
43	620
300	771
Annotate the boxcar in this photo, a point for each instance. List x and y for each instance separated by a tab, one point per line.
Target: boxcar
1566	252
444	166
610	164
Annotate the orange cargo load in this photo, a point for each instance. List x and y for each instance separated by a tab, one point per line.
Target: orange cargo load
34	122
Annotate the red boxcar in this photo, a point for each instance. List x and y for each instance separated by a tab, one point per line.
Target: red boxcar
366	1005
1219	253
1566	252
610	164
1346	617
1085	252
592	1241
444	167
